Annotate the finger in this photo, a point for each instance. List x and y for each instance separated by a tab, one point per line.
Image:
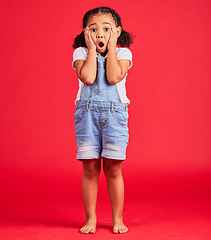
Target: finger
111	32
85	32
89	35
89	38
114	29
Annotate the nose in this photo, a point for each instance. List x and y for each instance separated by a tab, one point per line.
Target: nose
100	34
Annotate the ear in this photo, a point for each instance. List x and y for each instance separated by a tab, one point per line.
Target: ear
119	30
84	30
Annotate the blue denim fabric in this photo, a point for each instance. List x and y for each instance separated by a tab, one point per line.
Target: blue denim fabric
101	120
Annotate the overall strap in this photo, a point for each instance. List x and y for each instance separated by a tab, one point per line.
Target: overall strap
101	89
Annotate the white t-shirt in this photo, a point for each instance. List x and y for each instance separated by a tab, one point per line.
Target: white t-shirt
122	53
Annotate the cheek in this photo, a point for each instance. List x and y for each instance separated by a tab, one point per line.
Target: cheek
107	35
93	36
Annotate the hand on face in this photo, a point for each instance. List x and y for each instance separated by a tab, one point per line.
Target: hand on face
88	39
113	37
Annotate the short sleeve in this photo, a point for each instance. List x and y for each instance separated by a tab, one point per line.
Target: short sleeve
125	53
80	53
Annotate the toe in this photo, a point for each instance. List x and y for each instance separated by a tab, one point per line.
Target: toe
92	231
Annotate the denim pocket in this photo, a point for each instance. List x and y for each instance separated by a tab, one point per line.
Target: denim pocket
121	117
79	114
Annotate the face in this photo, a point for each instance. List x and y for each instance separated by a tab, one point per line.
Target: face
100	27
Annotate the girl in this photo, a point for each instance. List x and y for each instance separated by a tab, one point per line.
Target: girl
101	110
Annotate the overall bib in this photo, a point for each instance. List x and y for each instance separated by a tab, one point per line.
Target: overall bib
101	119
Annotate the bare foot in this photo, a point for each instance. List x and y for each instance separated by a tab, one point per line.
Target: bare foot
90	226
119	226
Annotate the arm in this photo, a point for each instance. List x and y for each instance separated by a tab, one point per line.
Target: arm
116	69
87	70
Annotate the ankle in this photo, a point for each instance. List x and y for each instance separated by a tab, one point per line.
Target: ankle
91	218
117	219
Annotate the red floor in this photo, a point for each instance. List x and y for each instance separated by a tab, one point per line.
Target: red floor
151	218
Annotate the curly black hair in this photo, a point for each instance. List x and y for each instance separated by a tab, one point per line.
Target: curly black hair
124	40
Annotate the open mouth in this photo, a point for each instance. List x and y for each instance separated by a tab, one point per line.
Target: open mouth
101	44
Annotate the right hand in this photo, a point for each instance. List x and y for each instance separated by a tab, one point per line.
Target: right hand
88	39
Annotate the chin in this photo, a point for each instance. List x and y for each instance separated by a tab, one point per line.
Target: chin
102	51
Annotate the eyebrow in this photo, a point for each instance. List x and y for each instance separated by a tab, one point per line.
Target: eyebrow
96	24
106	23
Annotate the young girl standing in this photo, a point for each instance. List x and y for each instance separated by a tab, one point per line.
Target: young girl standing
101	110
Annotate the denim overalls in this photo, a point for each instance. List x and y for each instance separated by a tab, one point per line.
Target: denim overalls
101	119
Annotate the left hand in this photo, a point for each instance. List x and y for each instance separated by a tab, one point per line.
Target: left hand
113	37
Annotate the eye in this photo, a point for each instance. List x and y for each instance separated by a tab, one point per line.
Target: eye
93	30
106	29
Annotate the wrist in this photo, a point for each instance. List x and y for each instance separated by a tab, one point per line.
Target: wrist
91	50
112	48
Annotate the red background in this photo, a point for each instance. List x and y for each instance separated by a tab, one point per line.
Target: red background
169	87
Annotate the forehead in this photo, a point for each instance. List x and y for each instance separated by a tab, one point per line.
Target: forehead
101	18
